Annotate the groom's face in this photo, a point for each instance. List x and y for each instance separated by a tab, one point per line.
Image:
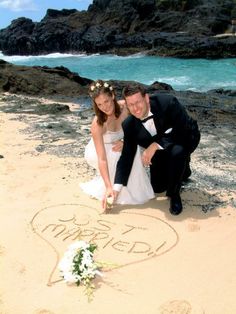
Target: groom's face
138	105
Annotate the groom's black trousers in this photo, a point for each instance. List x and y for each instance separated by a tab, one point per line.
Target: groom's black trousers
167	169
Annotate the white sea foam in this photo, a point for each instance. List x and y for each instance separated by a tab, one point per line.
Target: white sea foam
14	58
133	56
177	80
56	55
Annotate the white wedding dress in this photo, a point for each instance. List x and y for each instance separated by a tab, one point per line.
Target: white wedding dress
138	189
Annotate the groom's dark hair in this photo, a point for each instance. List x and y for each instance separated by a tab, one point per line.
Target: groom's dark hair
132	89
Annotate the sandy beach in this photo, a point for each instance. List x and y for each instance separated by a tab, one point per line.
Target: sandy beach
164	264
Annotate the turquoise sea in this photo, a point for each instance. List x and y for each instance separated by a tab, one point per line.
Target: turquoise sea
181	74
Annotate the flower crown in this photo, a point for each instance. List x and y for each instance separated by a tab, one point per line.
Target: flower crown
99	85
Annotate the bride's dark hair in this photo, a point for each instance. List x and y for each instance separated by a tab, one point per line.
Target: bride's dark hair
101	87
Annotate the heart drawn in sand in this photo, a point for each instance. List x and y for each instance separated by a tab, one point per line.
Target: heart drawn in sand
123	238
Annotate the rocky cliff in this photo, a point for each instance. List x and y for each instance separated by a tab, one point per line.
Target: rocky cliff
182	28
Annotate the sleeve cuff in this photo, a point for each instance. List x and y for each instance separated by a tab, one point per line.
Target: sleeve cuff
117	187
159	146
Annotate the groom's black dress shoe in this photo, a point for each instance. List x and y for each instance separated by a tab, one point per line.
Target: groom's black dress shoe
175	204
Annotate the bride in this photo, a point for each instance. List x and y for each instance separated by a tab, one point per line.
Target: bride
104	149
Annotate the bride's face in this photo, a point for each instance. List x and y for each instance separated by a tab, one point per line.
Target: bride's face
105	103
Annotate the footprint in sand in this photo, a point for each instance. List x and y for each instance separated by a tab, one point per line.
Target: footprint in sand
42	311
193	225
178	307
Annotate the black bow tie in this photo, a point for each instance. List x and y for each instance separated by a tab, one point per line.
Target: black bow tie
146	119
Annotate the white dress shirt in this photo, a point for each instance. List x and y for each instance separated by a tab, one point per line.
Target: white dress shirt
149	124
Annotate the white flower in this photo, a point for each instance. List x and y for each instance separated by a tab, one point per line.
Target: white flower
111	88
106	85
98	84
110	201
70	278
79	245
92	88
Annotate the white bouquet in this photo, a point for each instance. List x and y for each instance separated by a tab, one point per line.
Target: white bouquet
77	266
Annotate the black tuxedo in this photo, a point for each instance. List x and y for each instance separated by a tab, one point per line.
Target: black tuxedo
168	165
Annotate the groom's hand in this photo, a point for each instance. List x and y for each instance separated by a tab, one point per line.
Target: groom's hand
115	194
116	190
149	153
117	146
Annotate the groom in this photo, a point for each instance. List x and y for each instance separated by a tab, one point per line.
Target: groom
161	125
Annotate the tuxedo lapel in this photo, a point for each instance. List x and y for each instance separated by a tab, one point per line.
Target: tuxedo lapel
157	116
141	130
155	119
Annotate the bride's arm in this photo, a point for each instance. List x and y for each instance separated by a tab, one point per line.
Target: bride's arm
97	134
118	145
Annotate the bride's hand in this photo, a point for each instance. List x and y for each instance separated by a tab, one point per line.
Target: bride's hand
108	200
117	146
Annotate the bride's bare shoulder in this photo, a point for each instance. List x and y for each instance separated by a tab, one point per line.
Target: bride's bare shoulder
95	126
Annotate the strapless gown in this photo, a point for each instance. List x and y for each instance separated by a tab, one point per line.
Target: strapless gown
138	189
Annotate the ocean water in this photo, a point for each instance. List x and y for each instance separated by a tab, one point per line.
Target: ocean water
182	74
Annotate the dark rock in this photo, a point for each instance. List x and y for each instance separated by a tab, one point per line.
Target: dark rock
52	14
52	109
222	91
119	85
43	81
181	28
